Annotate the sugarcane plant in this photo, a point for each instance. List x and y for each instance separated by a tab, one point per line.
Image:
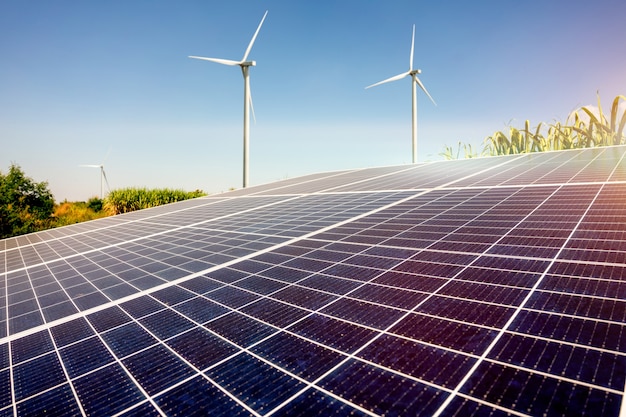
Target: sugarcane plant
583	129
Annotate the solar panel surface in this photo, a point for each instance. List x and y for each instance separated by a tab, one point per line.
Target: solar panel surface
491	286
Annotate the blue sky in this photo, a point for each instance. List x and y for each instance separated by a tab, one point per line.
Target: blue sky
110	82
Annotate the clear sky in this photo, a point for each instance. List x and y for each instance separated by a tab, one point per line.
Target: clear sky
90	82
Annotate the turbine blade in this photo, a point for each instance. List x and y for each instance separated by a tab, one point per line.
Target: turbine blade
388	80
106	181
252	109
218	60
107	155
417	80
90	166
245	56
412	49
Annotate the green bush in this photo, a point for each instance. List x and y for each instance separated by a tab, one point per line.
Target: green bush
25	205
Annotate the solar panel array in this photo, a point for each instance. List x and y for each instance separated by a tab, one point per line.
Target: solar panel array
492	286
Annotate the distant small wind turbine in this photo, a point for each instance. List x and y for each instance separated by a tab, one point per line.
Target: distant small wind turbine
416	81
247	100
103	178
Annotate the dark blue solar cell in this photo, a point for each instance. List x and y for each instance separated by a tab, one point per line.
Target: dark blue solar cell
227	275
240	329
382	392
256	383
453	335
201	310
201	348
52	298
92	300
80	289
466	407
260	285
198	397
285	274
352	272
336	253
274	312
157	369
272	258
119	291
536	394
337	334
576	330
85	356
232	297
373	261
4	355
29	346
5	389
311	265
106	281
166	323
142	306
59	401
122	392
71	331
468	311
200	285
131	274
298	356
107	319
315	403
360	312
23	307
59	311
393	297
304	297
330	284
172	295
171	274
144	410
146	282
128	339
582	364
196	265
512	264
427	363
154	267
410	281
37	375
251	266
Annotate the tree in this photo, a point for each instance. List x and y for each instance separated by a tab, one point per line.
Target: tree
25	206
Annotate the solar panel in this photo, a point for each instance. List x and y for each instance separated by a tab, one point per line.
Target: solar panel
492	286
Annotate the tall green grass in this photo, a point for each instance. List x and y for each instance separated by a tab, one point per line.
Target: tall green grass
584	129
125	200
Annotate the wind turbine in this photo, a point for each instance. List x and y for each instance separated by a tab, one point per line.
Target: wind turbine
247	100
103	178
414	83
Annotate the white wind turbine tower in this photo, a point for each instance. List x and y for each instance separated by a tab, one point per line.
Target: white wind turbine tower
103	178
247	100
414	83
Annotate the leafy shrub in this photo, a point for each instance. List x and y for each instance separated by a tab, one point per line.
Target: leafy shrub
25	205
69	213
